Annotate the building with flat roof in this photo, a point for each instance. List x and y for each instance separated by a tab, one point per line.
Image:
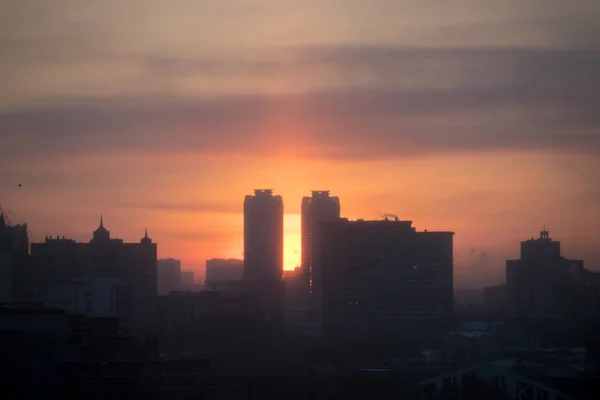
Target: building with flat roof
263	236
384	280
222	272
168	275
319	207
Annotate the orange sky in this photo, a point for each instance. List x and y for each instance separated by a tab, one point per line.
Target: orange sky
480	118
192	205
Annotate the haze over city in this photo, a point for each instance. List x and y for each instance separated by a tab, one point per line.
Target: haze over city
478	117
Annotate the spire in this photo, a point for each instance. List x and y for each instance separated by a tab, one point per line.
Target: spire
1	219
146	239
101	234
544	234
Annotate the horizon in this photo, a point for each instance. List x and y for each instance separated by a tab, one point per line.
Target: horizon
470	260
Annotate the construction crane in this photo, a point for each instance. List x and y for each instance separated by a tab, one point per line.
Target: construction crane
7	213
6	217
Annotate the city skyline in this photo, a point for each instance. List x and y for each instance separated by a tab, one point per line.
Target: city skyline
478	118
292	248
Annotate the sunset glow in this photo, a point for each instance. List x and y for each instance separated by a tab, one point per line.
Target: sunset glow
166	120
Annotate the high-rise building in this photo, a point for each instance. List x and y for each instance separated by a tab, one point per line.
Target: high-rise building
60	262
263	236
383	280
319	207
542	283
169	275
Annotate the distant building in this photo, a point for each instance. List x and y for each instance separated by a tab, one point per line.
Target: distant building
383	280
60	262
263	236
542	283
15	273
169	275
187	280
221	271
317	208
494	299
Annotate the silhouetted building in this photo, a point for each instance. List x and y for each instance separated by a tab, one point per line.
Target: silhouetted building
145	379
383	280
542	283
169	275
15	273
187	280
94	297
263	254
221	272
263	236
297	312
61	262
320	207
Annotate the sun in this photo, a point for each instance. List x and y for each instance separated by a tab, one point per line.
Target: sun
291	241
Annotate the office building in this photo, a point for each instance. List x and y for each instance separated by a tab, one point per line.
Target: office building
383	281
319	207
169	275
263	236
222	272
542	283
126	269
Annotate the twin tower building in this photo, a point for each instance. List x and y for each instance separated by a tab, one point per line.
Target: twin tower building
263	234
377	279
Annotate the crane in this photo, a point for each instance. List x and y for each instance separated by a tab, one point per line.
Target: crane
6	218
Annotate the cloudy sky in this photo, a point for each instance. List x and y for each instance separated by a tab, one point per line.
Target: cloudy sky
476	116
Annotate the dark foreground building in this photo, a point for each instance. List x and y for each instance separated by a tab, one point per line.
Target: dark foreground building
263	236
15	271
319	207
544	284
384	282
60	261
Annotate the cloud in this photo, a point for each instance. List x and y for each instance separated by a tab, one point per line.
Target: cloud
406	102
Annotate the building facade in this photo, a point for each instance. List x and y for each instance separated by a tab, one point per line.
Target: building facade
65	268
542	283
319	207
384	280
221	272
169	275
263	236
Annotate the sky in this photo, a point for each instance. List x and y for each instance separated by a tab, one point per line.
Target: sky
475	116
